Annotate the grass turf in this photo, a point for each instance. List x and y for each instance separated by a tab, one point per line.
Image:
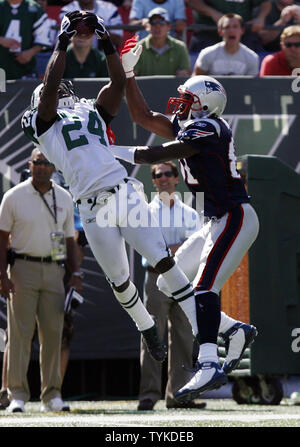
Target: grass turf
218	413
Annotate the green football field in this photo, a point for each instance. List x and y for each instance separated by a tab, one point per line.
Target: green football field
113	414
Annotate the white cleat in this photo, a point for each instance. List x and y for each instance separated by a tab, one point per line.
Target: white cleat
237	339
208	376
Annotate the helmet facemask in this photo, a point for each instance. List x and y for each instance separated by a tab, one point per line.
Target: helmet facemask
186	107
200	96
66	95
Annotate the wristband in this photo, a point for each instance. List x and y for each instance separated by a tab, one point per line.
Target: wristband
62	43
108	46
78	274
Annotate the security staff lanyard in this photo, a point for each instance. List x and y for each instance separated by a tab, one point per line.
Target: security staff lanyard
57	238
53	214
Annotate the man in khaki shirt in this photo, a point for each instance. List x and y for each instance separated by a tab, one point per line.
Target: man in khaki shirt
29	213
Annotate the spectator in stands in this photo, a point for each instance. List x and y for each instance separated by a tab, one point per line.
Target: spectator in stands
23	33
209	13
283	13
162	54
52	24
141	8
34	213
104	9
84	61
285	61
229	57
182	222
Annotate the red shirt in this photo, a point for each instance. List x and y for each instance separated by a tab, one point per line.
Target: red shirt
275	65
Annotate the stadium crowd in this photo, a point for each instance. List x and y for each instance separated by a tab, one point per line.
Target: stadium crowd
181	30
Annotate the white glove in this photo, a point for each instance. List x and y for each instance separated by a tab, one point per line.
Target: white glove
130	55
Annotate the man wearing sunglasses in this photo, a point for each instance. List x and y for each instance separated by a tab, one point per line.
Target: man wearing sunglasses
36	216
162	54
282	63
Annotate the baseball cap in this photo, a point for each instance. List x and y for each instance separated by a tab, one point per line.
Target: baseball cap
159	12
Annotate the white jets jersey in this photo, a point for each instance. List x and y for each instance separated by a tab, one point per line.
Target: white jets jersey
78	146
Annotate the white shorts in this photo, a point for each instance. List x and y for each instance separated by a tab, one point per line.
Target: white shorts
118	218
211	255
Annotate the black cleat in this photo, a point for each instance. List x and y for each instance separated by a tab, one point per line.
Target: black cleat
157	349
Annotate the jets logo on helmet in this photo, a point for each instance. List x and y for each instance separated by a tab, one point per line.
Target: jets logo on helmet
66	95
200	96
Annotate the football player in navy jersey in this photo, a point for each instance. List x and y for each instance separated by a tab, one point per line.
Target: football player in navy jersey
203	143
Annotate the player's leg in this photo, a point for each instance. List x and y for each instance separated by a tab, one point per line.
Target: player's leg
231	237
236	334
108	247
187	257
147	239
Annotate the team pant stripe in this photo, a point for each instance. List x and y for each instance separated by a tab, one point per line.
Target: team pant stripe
221	248
185	297
182	290
131	302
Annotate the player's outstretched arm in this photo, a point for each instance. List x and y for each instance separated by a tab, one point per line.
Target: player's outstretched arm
154	154
110	96
138	108
56	67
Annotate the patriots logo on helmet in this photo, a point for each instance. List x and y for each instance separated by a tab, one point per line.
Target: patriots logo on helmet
212	87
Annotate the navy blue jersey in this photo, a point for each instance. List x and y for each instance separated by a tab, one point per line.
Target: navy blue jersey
213	169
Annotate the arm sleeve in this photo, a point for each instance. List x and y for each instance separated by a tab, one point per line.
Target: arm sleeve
41	30
136	11
6	214
202	61
253	67
184	59
179	10
267	66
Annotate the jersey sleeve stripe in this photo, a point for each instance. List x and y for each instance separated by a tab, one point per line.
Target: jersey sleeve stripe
40	22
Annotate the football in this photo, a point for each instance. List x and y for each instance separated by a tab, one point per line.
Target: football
83	30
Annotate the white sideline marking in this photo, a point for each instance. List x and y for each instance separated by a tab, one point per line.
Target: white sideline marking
122	420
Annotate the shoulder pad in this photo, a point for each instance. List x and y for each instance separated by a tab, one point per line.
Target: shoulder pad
203	127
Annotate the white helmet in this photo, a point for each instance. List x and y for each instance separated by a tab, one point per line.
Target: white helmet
67	97
200	96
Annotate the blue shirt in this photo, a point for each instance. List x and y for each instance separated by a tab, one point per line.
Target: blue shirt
177	223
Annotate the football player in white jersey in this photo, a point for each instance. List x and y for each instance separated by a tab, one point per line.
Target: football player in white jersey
71	133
